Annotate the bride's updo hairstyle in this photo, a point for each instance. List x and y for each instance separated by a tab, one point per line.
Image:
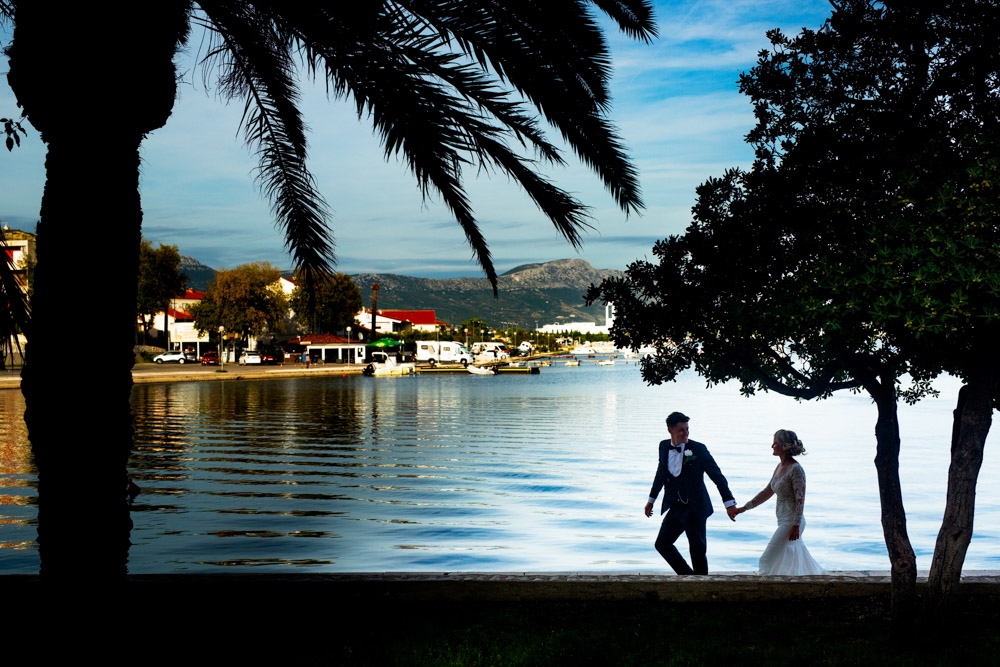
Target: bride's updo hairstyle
789	442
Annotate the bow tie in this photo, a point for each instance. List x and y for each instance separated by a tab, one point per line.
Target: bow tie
676	448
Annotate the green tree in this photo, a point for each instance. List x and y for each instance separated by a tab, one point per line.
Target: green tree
160	280
332	305
474	328
446	85
862	245
247	300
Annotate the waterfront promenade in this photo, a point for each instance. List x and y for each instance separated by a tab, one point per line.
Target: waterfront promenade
195	372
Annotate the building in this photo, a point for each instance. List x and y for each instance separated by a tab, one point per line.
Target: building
20	249
388	322
583	327
330	349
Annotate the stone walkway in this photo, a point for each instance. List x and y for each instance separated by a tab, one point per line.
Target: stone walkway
525	586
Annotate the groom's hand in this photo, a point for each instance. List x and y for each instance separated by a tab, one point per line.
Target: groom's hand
732	512
649	509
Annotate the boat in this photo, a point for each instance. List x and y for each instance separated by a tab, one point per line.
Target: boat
482	370
606	362
573	362
383	364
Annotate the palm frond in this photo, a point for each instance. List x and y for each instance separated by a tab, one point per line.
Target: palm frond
256	66
634	17
448	85
555	55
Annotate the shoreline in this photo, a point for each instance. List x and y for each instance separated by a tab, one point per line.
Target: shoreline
152	373
194	372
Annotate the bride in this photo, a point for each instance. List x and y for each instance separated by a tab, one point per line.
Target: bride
785	553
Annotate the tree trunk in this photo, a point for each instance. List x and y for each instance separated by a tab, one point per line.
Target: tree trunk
93	88
80	426
902	559
973	417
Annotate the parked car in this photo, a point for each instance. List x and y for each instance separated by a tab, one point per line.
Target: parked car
210	358
249	357
172	356
268	358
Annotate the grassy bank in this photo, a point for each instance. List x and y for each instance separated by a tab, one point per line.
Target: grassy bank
852	631
231	620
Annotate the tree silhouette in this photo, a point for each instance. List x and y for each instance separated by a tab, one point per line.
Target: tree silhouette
448	85
861	248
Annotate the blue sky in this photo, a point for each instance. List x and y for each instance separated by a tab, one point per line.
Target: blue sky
676	104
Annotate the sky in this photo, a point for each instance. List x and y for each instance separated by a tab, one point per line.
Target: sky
676	103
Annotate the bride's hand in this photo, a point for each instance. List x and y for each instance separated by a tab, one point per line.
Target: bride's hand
794	534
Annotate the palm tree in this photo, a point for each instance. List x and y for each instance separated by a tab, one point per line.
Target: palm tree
447	84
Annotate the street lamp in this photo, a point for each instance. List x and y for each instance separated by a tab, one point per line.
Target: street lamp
350	349
222	347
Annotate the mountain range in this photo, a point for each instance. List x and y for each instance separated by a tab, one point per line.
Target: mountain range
530	295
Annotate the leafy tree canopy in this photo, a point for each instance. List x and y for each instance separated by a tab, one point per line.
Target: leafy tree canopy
160	277
247	300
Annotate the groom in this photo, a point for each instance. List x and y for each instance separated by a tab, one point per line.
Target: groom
681	472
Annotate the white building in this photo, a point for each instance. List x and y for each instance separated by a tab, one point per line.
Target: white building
583	327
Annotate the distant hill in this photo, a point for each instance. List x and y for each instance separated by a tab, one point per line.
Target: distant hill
532	293
198	274
543	293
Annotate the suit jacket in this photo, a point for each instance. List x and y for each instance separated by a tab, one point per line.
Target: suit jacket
689	486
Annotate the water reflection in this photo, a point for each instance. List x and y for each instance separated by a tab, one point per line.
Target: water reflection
508	473
18	487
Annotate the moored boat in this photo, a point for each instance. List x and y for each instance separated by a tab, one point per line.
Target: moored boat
383	364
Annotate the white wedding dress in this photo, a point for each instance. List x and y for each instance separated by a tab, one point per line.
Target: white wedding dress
784	557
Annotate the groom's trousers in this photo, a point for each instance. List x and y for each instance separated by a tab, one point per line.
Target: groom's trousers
685	521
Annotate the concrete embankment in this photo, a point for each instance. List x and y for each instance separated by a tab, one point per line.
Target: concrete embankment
544	586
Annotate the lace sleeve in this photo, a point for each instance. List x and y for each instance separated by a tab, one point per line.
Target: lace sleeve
797	477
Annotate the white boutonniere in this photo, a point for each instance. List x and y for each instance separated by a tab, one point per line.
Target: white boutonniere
688	456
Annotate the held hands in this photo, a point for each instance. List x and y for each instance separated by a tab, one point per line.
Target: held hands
649	509
732	511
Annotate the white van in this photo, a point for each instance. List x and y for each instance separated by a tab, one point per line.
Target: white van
491	351
445	351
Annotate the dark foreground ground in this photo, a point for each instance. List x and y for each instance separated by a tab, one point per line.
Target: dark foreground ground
519	621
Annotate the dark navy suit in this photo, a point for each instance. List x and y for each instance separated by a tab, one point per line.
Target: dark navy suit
687	505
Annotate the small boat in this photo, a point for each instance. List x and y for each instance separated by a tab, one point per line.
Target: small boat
573	362
606	362
383	364
482	370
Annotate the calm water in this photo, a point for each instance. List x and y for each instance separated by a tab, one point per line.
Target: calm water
512	473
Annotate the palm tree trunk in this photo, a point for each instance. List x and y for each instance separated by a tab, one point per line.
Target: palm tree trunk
78	416
93	87
973	418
